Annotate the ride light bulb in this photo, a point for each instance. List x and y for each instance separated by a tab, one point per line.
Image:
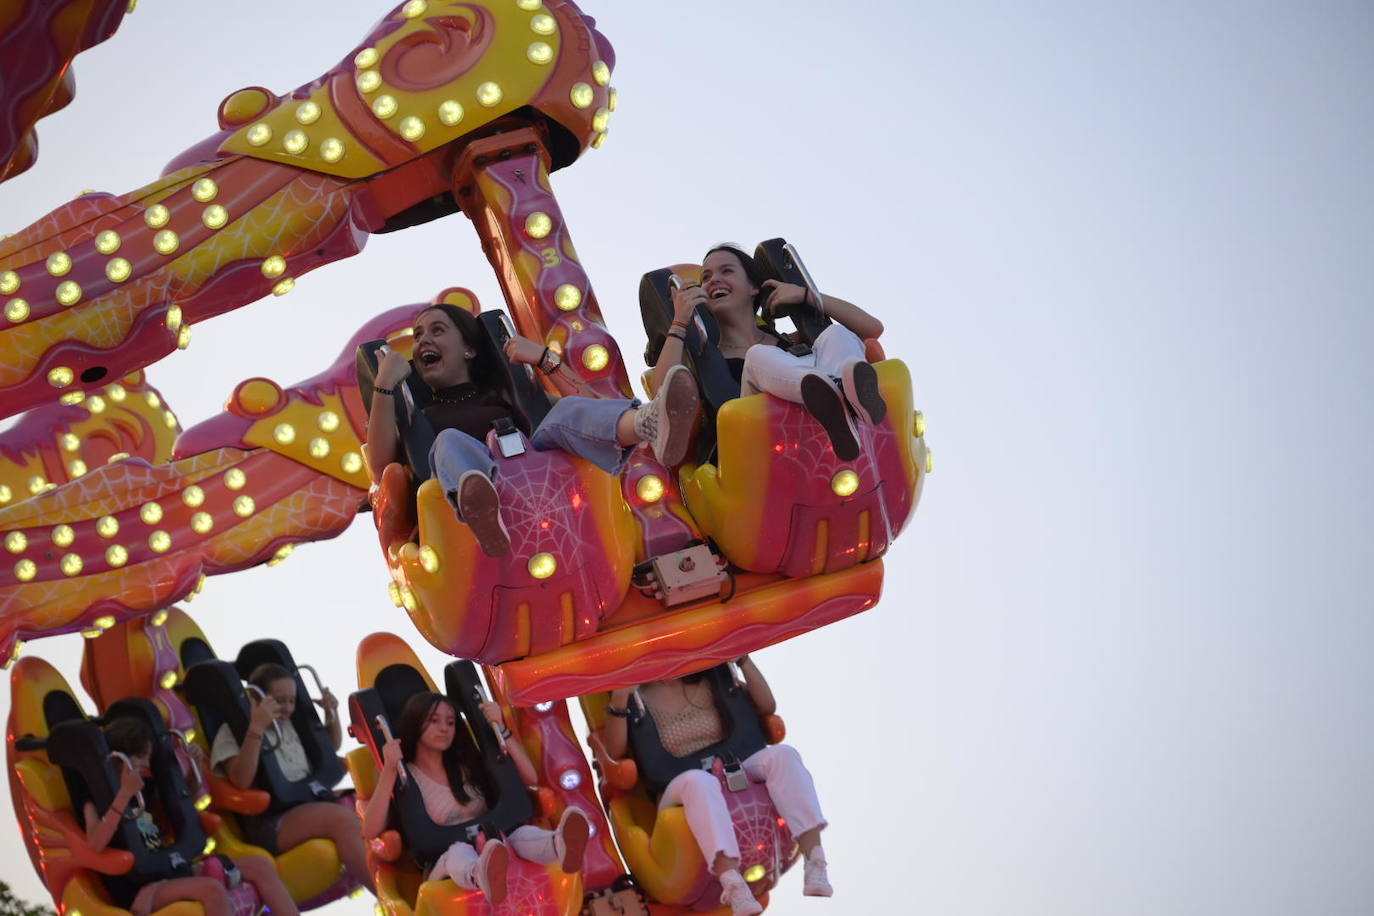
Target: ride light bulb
845	483
570	779
542	565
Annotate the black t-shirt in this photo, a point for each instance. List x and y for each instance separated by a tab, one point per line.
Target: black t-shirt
469	409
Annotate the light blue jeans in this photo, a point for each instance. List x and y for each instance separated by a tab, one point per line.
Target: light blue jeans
580	426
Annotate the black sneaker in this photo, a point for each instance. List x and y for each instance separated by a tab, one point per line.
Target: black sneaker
823	401
860	388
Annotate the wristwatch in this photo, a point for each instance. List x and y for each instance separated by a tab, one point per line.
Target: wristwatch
549	362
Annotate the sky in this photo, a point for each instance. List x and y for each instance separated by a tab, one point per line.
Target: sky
1122	662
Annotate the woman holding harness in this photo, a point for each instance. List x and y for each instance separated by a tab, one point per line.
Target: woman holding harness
685	714
468	399
830	382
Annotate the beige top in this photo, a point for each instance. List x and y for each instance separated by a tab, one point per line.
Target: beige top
442	805
686	715
295	762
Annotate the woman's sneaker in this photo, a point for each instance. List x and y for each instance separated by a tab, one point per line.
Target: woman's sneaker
666	421
490	873
480	508
734	892
823	401
860	384
815	880
570	839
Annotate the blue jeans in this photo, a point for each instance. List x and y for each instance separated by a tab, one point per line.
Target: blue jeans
584	427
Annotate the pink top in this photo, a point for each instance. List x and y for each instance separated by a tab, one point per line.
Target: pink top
441	804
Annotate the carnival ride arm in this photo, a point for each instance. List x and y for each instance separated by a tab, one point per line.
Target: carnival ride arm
846	313
515	749
100	828
685	301
564	377
760	694
615	732
243	766
379	805
383	437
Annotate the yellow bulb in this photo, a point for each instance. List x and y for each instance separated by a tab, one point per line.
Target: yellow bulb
63	535
9	282
59	262
611	98
599	140
243	506
166	241
169	419
394	591
118	270
184	337
285	433
25	570
351	462
284	551
205	190
650	488
17	651
173	318
76	468
153	400
156	216
151	513
369	81
16	310
918	424
69	442
203	802
450	112
193	496
930	462
529	4
307	112
328	421
365	58
95	404
168	681
107	527
295	141
117	456
538	224
601	119
6	494
16	542
542	565
332	150
595	357
234	479
567	297
319	447
408	599
72	397
116	391
116	556
37	484
160	541
543	24
412	128
581	95
202	522
754	873
489	93
429	559
214	217
384	106
158	619
107	242
845	483
274	266
283	287
92	633
414	8
259	134
539	52
69	292
60	377
601	73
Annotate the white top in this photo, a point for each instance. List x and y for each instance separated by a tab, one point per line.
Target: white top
441	804
291	755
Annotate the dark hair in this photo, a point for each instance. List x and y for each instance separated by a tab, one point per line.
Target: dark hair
482	368
267	674
129	735
463	762
751	270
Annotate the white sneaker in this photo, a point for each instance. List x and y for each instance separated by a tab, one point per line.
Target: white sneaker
815	881
490	873
666	421
734	891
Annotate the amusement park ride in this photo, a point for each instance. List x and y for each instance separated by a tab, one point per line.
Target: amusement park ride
110	513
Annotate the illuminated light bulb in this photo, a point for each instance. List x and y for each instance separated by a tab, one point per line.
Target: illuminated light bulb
214	217
365	58
283	287
754	873
184	337
845	483
9	282
107	242
530	5
542	565
105	622
332	150
107	527
60	377
351	462
599	140
117	456
369	81
539	53
384	106
408	599
6	494
295	141
15	652
118	270
158	619
16	310
259	134
200	584
612	97
274	266
173	318
169	418
570	779
72	397
92	633
63	535
205	190
538	224
544	706
581	95
69	292
284	551
285	433
930	462
429	559
202	522
151	513
918	424
156	216
193	496
450	112
601	119
601	72
489	93
595	357
234	479
16	542
307	112
25	570
69	442
166	241
160	541
394	592
543	24
95	404
76	468
412	128
153	400
243	506
168	681
37	484
59	262
116	391
203	802
567	297
414	8
650	488
319	447
328	421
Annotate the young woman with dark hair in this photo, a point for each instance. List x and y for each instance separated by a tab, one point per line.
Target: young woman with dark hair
450	359
441	756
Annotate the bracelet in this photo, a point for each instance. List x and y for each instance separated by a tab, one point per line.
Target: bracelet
118	812
253	734
618	713
677	335
679	323
505	732
377	389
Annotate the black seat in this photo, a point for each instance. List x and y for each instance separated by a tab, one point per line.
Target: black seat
739	720
426	840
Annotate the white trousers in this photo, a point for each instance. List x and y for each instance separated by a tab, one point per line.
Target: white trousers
774	370
778	767
459	862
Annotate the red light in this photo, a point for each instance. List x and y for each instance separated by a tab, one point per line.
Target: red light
576	500
782	822
760	847
778	448
544	524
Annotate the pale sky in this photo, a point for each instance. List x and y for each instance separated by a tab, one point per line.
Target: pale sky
1122	664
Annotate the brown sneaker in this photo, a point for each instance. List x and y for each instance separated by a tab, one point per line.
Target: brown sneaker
480	508
860	386
491	871
571	838
824	402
